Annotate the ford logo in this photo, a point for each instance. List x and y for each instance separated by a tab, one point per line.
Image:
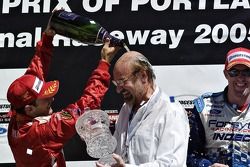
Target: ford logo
2	130
214	111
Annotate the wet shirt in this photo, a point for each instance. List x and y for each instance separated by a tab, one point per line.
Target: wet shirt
157	135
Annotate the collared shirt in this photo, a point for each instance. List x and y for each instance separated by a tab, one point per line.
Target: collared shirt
157	135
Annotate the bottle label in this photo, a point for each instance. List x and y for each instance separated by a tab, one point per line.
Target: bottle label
67	15
102	34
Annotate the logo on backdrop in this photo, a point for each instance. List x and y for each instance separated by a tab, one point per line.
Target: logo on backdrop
3	130
4	109
186	100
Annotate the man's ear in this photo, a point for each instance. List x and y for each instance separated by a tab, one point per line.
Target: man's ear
143	75
29	110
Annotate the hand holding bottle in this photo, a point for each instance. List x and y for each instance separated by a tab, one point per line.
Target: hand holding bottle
82	29
108	51
49	31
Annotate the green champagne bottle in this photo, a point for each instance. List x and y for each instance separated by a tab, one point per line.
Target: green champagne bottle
81	29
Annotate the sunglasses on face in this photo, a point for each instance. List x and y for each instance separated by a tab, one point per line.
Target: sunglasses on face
236	72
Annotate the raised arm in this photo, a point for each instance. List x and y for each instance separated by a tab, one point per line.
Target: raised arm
62	124
41	60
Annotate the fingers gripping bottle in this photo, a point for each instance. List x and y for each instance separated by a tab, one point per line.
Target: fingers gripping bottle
81	28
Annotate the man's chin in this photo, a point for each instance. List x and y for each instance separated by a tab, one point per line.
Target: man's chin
129	101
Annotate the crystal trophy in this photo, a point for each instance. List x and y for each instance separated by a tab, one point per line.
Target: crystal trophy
93	128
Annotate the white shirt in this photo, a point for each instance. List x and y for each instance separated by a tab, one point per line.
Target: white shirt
157	135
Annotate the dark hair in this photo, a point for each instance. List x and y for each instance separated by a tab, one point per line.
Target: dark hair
21	110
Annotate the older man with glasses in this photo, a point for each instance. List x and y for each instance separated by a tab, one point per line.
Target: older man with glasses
152	129
220	122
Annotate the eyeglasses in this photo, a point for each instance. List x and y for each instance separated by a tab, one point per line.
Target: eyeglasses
121	82
235	73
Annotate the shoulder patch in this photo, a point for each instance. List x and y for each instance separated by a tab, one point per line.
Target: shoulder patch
208	94
199	104
66	115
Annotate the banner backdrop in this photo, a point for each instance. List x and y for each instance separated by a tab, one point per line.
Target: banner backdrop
170	33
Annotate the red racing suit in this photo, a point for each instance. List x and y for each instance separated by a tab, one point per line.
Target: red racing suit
38	142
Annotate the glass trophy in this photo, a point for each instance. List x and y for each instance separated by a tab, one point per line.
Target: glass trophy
93	128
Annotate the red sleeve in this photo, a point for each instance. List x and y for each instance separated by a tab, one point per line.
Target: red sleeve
40	62
62	124
96	88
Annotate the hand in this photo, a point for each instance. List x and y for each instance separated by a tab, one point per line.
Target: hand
49	31
218	165
108	52
118	159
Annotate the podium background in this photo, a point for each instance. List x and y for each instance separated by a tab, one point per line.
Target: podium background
185	41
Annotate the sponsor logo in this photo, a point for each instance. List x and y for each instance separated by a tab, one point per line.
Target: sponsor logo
2	131
231	137
51	89
38	84
186	100
243	55
67	15
215	111
4	109
229	126
215	105
4	106
66	115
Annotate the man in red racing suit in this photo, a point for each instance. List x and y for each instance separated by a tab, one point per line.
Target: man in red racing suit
36	135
